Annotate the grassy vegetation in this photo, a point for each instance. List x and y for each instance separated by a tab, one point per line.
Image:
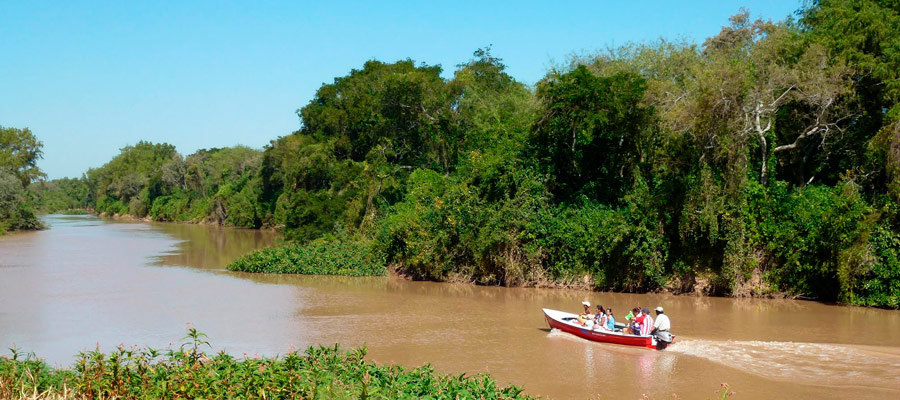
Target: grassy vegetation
320	257
189	372
76	211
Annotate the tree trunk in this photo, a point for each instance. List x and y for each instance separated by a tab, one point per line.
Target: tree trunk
763	174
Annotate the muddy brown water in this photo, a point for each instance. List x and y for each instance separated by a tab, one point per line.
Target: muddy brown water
89	282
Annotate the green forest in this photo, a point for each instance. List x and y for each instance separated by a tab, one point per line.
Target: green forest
764	161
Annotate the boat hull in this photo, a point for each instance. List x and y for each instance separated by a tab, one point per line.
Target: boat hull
561	320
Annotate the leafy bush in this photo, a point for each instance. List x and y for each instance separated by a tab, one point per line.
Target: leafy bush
807	230
76	211
612	245
189	372
445	226
321	257
239	207
879	283
16	212
423	233
111	206
173	207
137	208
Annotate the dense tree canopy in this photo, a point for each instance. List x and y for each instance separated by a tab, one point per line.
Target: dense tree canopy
764	161
592	132
19	152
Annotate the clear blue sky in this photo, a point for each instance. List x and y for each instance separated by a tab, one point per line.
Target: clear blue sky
89	77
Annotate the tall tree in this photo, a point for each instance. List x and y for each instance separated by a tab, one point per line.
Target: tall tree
20	151
774	70
591	132
865	34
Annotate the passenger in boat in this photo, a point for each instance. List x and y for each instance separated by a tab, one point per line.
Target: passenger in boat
646	322
634	327
633	313
586	315
600	317
662	323
610	320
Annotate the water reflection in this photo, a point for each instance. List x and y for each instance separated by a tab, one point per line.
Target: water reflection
608	369
210	247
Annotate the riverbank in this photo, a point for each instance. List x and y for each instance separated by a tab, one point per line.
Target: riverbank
6	228
132	218
189	372
348	257
354	256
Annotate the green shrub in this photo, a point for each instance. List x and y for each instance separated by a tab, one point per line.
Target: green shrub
424	233
189	372
807	230
76	211
879	284
16	211
240	210
320	257
111	206
137	208
170	208
445	226
613	245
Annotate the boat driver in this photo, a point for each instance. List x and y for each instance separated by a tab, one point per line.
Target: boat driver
662	323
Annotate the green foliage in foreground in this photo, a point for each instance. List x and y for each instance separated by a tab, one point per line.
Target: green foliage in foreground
188	372
320	257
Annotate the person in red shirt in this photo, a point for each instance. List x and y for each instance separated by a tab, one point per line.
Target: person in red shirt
639	321
646	322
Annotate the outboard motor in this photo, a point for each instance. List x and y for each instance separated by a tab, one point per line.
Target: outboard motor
663	338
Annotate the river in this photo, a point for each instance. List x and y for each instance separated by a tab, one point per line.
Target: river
88	283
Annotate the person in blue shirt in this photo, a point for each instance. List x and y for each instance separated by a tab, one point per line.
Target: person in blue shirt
610	320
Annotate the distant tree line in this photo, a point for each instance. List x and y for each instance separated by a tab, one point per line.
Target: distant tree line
765	161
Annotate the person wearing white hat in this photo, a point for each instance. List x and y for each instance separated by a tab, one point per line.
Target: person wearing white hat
662	322
586	315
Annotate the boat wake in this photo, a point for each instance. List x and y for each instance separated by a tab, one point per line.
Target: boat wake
807	363
560	334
